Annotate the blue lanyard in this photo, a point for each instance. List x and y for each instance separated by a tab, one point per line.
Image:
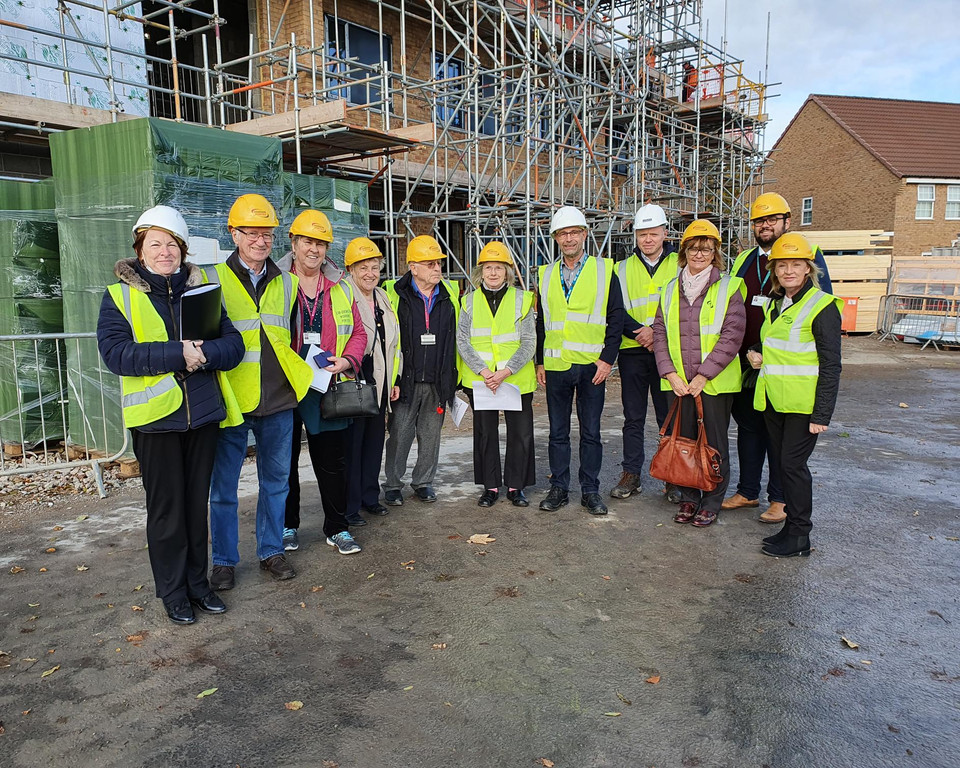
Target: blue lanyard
573	282
763	281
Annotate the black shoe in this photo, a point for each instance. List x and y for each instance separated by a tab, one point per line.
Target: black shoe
489	498
517	498
279	567
672	493
393	498
789	546
221	577
211	603
426	494
180	612
555	498
376	509
777	537
354	520
594	503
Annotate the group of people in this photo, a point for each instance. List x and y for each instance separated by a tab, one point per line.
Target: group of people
761	343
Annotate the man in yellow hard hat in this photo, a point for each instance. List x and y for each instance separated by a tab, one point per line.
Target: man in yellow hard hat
427	307
769	219
268	383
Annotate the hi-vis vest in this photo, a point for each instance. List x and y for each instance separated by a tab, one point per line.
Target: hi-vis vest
146	399
575	331
496	338
273	317
712	312
390	286
788	376
341	302
641	291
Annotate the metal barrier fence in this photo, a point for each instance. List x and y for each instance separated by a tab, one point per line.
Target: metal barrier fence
921	320
59	406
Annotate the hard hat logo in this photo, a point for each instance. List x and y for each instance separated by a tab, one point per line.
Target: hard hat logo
260	213
311	223
252	210
769	204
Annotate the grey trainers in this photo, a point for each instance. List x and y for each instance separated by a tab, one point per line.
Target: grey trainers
629	484
344	542
290	541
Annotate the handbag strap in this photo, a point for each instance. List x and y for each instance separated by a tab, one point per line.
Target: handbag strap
672	421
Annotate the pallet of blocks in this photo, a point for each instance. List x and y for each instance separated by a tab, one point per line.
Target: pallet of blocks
859	263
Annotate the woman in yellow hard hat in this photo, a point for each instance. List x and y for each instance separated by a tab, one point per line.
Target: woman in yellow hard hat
381	365
696	340
497	340
799	362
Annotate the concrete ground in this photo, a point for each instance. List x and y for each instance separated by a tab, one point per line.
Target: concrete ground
568	641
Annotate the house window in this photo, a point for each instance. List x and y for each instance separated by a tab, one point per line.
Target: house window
449	69
925	198
806	212
953	201
351	41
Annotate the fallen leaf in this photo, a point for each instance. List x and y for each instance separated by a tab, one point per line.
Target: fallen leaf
17	569
849	643
51	550
865	661
33	618
481	538
953	538
82	568
33	605
372	575
316	589
208	692
408	688
135	608
545	763
438	646
844	434
81	518
330	764
904	405
606	578
294	705
303	605
455	536
28	660
916	513
26	712
653	680
409	562
612	714
138	638
50	671
43	570
138	587
624	699
58	527
659	525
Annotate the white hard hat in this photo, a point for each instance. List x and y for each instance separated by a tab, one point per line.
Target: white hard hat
166	218
649	216
568	216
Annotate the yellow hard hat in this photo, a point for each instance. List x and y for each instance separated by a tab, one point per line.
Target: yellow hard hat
311	223
769	204
360	249
791	245
424	248
495	251
701	228
252	211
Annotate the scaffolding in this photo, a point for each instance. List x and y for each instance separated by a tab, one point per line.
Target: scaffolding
516	106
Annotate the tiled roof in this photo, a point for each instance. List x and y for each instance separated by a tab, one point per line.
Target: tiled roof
911	138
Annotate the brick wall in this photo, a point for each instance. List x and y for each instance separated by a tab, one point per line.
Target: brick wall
914	236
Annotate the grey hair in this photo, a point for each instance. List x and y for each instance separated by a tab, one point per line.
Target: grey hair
476	276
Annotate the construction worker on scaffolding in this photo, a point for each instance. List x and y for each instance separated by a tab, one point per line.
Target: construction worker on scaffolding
578	338
641	277
769	219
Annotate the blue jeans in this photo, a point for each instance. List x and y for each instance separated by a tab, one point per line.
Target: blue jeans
561	386
272	434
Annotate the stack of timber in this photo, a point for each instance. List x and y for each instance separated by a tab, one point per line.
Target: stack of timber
859	263
936	278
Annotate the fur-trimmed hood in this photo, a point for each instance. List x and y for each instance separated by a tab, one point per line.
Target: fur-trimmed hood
126	272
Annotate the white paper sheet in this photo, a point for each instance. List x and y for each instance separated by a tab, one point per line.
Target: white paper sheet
321	378
506	398
460	408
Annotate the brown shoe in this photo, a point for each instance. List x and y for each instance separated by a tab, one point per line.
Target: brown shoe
739	502
279	567
686	513
629	484
704	518
776	513
221	577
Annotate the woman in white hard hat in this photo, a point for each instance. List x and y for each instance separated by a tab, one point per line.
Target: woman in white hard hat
381	365
173	403
696	340
799	362
497	340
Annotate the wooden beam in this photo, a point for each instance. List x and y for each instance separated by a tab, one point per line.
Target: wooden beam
285	123
422	132
15	108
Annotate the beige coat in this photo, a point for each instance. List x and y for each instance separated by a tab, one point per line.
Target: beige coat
382	369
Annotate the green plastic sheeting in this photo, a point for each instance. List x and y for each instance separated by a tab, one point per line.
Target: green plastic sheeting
31	383
344	202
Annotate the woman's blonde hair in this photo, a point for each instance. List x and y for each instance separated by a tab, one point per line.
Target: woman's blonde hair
815	274
699	241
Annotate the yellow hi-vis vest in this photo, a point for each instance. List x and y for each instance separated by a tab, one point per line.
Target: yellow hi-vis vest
273	317
788	376
146	399
390	286
712	312
496	338
641	290
575	330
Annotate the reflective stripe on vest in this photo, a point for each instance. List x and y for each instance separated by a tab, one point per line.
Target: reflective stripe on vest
341	302
575	329
496	338
641	290
144	399
791	366
712	313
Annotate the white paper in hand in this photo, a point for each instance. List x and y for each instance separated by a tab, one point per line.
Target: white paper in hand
458	411
506	398
321	378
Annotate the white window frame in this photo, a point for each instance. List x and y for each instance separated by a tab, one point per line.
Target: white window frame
924	209
953	202
806	212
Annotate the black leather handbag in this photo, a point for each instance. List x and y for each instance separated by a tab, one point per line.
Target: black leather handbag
349	399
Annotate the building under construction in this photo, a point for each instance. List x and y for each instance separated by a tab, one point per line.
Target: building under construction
470	119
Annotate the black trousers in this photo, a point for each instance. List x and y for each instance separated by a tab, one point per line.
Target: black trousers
328	456
176	469
365	438
791	446
752	450
519	468
638	375
716	422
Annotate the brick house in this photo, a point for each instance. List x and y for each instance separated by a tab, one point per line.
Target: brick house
847	162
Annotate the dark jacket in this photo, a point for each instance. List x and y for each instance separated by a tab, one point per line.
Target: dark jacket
202	402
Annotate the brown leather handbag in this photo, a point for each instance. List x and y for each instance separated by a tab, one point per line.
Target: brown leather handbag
684	462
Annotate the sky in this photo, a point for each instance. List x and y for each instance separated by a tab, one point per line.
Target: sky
906	49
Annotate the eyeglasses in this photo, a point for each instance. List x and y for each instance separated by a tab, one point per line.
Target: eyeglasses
566	234
705	251
772	220
252	237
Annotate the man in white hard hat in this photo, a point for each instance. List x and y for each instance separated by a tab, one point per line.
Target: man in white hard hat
578	337
641	277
